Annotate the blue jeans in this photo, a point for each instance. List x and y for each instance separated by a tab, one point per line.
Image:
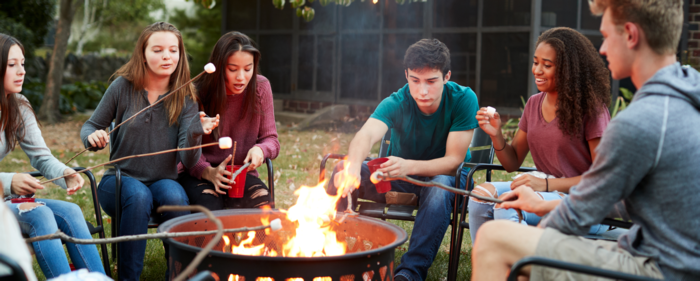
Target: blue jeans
138	203
47	219
432	220
481	212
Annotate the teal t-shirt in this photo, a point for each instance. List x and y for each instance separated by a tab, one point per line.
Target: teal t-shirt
417	136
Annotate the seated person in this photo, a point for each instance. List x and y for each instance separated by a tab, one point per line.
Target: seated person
432	122
648	158
561	126
243	99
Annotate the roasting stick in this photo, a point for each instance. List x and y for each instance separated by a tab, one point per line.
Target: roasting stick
136	156
274	225
209	68
379	176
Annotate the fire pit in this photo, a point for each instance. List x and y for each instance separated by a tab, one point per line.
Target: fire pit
368	248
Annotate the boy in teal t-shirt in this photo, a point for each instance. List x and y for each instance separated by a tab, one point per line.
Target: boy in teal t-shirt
432	122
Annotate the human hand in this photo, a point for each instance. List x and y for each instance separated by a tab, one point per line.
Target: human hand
255	157
537	184
208	123
73	182
523	198
23	184
395	167
98	139
347	180
219	176
491	126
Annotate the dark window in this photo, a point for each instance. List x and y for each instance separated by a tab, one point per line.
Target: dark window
323	18
506	12
359	65
360	15
393	76
241	15
559	13
306	63
325	64
273	18
275	62
408	15
588	20
462	56
597	40
505	67
455	13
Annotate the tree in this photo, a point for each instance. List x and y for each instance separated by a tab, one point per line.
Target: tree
48	111
27	20
200	33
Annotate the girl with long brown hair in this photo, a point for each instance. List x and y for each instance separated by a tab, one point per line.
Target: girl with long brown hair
561	126
243	98
18	124
157	66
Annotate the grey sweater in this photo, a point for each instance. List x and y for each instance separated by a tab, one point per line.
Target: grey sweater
649	157
148	132
33	145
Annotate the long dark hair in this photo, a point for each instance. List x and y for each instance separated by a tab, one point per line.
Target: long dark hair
583	81
135	70
11	120
211	89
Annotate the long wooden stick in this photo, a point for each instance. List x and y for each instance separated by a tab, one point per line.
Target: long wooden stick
140	111
132	156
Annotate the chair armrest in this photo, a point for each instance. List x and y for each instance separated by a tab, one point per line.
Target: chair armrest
617	223
572	267
16	271
322	174
270	181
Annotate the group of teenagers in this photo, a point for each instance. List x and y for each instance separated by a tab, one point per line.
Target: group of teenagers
641	166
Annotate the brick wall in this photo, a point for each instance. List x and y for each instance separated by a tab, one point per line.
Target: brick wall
694	36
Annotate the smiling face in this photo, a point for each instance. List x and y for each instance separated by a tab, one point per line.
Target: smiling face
239	71
426	86
544	68
14	75
614	47
162	53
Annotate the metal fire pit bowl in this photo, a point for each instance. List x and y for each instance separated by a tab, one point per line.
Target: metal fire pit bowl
370	253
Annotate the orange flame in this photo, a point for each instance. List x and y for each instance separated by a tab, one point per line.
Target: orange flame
374	1
227	243
313	213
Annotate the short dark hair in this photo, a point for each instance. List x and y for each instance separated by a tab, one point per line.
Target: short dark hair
430	53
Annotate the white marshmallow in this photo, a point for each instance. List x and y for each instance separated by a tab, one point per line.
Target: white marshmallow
374	178
276	224
225	142
490	111
209	68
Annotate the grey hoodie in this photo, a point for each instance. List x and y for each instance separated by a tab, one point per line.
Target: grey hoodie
648	157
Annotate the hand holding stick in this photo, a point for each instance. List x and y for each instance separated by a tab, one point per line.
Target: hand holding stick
208	68
379	176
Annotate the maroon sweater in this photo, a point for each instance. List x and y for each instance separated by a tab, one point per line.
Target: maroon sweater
258	130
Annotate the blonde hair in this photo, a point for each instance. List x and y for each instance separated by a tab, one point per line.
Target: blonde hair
661	20
135	70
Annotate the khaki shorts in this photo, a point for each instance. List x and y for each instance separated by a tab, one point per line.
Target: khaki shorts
596	253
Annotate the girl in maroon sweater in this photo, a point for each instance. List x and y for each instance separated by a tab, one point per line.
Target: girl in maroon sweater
243	99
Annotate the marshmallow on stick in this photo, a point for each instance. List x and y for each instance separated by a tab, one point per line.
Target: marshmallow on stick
276	224
225	143
490	111
209	68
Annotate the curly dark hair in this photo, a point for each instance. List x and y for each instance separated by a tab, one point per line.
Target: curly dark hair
583	81
430	53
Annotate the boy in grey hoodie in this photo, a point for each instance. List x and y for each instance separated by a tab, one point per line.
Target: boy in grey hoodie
648	164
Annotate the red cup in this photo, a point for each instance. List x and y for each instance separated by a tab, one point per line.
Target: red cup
374	165
237	188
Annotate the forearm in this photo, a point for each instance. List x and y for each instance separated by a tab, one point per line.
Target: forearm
505	152
429	168
563	184
358	150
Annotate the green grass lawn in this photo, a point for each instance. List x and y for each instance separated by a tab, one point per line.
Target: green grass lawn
297	165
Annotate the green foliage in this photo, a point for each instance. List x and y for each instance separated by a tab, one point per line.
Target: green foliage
21	32
622	101
78	96
199	32
34	15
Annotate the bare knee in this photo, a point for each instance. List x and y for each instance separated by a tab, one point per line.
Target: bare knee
209	191
485	190
28	207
